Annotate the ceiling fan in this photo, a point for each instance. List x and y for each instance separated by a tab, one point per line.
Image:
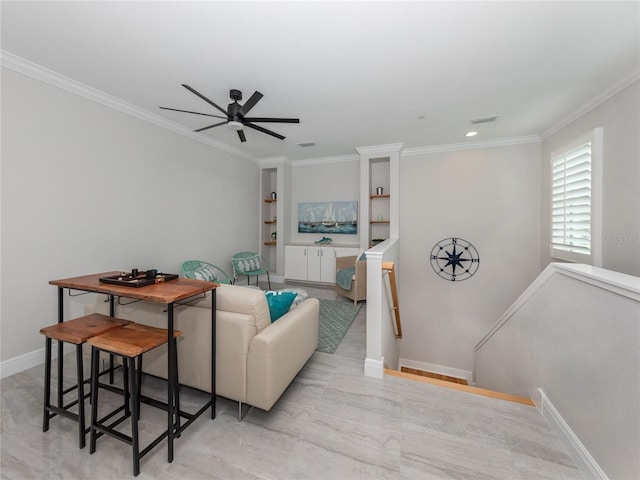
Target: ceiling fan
235	113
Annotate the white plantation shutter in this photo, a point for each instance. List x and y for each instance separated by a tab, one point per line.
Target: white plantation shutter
574	194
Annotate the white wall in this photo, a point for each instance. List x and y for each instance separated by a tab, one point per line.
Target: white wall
325	182
619	117
576	336
489	197
87	189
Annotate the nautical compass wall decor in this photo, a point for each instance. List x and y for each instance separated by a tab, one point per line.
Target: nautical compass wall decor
454	259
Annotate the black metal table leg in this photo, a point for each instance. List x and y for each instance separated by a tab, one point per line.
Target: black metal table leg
213	354
171	383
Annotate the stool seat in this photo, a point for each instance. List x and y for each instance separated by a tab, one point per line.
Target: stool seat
132	340
130	343
76	332
79	330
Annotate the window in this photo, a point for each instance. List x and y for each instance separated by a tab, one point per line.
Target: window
576	199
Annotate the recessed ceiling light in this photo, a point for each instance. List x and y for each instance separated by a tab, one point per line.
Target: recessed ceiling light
307	144
471	134
421	117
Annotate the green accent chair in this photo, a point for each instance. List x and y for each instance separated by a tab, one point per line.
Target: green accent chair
249	264
199	270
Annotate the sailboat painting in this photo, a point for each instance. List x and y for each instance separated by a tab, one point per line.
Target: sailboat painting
328	217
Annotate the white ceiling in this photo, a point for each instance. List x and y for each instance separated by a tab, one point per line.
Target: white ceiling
355	73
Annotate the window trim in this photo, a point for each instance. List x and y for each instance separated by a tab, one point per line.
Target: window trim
594	258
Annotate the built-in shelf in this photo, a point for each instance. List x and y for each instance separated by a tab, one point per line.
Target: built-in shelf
385	195
269	222
269	243
270	200
379	221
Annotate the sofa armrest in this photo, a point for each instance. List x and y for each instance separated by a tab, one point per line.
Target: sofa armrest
278	353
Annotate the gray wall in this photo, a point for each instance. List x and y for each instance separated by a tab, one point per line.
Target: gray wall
619	117
489	197
87	189
577	338
324	182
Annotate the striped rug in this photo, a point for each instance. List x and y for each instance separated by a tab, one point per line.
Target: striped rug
335	319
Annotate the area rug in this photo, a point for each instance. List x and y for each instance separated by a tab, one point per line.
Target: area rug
335	319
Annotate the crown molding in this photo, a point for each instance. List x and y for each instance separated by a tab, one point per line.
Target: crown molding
452	147
55	79
273	161
603	97
379	149
325	160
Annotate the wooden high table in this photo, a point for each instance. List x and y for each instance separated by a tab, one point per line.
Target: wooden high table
167	293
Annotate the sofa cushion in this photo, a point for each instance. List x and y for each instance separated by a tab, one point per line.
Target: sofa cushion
279	303
239	299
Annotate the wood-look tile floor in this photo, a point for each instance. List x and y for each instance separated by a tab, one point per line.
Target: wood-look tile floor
331	423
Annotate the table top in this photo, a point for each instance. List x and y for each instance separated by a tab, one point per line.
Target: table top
164	292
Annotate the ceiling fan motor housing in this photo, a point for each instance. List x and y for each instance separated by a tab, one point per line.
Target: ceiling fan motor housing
235	94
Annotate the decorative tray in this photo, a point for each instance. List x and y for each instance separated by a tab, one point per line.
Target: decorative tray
139	279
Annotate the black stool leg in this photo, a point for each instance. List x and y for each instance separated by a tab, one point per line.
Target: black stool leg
80	373
60	374
176	384
125	384
135	413
95	367
139	373
47	385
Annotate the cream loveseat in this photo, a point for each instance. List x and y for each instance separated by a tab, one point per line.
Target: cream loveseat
256	360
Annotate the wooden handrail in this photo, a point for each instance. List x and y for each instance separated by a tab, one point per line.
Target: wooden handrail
388	266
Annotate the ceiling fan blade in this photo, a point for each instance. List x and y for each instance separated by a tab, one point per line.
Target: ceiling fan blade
241	135
273	120
211	126
204	98
249	104
189	111
264	130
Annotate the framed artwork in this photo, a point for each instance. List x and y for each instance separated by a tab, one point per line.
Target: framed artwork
328	217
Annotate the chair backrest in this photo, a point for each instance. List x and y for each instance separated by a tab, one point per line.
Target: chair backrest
199	270
244	263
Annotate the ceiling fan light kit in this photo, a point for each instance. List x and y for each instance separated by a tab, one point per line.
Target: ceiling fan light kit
235	114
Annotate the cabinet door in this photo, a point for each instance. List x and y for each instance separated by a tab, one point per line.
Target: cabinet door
314	273
327	265
295	262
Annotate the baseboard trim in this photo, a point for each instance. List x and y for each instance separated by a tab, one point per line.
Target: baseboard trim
580	455
23	362
374	368
439	369
29	360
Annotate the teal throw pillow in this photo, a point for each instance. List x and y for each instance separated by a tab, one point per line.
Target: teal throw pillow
279	303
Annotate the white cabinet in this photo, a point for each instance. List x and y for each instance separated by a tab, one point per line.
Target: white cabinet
295	262
313	263
321	264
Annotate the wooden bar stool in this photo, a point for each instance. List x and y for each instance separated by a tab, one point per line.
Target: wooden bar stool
130	343
76	332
